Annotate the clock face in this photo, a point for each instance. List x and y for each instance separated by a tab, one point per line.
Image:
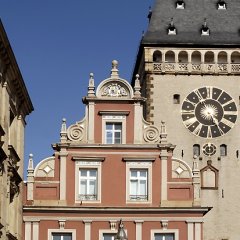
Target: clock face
209	149
209	112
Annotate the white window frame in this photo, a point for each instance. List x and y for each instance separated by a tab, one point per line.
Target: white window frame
113	131
114	119
87	165
51	231
138	179
161	231
139	165
87	179
107	231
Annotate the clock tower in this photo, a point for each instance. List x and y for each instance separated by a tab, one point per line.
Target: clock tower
189	65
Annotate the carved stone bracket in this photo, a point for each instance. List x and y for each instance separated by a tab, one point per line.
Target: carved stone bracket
14	180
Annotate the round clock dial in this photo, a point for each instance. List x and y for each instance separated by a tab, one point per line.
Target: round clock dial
209	112
209	149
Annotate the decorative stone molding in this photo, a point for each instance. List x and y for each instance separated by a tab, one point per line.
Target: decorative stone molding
76	132
151	134
209	176
61	224
164	224
113	224
163	134
219	66
45	168
180	169
114	90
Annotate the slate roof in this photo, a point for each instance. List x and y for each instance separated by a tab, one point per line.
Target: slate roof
224	25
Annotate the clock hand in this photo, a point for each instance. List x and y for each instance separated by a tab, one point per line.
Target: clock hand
215	120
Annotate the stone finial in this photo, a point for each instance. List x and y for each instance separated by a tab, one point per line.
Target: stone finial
137	87
63	133
30	162
30	178
114	71
30	169
91	86
163	134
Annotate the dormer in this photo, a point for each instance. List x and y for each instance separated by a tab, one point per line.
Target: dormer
171	29
221	5
180	4
205	31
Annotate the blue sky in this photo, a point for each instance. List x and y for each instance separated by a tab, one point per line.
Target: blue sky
57	44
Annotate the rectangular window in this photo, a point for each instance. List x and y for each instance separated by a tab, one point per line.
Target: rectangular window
61	236
113	133
88	184
138	184
108	236
164	236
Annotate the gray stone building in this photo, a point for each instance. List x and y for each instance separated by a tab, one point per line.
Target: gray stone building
189	63
15	104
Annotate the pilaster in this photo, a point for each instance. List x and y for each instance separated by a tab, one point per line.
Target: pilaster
164	158
91	116
139	229
87	229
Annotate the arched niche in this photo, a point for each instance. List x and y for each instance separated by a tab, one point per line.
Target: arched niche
157	56
183	57
196	57
222	57
170	57
209	57
235	57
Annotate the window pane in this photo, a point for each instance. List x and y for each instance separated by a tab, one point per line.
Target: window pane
133	173
108	236
83	173
133	187
61	236
142	188
161	236
83	187
117	140
118	126
109	126
92	173
92	187
109	137
67	237
143	173
56	237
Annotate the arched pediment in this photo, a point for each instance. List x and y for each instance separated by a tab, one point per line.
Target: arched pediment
180	169
45	168
114	88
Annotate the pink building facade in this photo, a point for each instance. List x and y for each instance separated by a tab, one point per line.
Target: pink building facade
113	165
